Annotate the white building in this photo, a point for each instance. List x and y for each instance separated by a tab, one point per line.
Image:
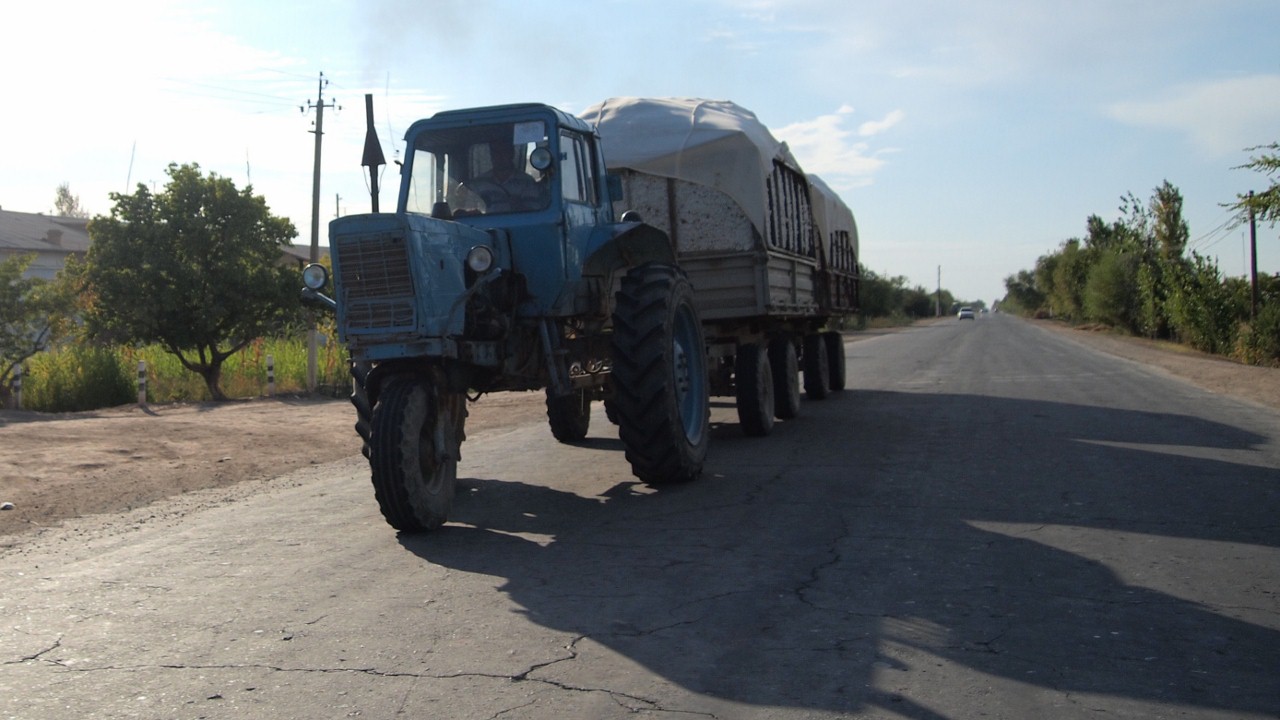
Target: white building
51	238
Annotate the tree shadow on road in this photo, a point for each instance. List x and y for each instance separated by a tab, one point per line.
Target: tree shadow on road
878	537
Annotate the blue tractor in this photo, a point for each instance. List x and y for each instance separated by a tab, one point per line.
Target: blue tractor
504	268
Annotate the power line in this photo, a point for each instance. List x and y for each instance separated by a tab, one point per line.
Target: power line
1218	234
254	100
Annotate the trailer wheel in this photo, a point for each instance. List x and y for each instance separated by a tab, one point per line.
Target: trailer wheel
360	398
569	415
835	360
414	452
817	373
786	378
754	389
660	375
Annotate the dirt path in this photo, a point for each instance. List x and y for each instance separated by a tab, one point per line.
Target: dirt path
59	466
54	467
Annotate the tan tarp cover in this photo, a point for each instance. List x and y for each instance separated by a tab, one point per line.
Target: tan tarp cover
831	213
709	142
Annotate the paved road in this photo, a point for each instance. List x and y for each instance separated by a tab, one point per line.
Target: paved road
995	522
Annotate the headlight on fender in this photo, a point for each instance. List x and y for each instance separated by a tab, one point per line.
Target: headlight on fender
479	259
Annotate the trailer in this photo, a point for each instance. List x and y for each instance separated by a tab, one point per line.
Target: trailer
771	253
685	254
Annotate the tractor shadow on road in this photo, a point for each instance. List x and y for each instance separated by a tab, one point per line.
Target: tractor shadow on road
929	555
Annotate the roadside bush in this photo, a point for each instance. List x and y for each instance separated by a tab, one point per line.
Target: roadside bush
1259	343
1110	294
84	377
1202	310
76	377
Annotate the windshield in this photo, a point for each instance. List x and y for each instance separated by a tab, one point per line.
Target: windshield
481	169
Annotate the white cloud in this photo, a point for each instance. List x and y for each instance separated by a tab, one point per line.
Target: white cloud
825	146
875	127
1219	117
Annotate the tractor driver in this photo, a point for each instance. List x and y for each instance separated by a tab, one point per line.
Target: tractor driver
503	188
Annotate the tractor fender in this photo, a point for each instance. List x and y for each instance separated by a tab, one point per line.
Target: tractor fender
622	245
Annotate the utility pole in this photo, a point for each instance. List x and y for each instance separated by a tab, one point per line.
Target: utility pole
1253	263
937	297
319	106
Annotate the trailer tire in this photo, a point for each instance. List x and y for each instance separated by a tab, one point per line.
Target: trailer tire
834	342
413	480
660	375
569	415
817	373
786	378
754	388
360	399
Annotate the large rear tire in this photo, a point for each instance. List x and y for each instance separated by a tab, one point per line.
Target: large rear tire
661	390
753	385
786	378
834	342
414	439
569	415
817	373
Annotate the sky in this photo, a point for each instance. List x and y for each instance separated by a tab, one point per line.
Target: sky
968	137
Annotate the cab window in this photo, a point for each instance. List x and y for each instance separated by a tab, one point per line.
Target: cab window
577	181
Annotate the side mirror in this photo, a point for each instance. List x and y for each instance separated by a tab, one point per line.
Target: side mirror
614	183
540	159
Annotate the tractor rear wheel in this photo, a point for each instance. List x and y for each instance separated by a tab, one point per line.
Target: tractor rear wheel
660	375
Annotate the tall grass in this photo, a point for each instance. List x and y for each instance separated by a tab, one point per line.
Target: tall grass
80	377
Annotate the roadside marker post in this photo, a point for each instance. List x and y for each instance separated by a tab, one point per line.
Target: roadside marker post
17	387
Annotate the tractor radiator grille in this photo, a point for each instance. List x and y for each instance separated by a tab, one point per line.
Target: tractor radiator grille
376	283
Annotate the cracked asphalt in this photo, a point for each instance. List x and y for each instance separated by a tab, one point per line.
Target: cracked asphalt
993	522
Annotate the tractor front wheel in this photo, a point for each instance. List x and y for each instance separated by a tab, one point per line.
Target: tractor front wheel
414	440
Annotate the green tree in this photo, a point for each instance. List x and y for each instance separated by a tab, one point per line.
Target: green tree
1169	231
1264	204
33	313
67	205
1021	294
195	269
1110	290
1202	309
1062	275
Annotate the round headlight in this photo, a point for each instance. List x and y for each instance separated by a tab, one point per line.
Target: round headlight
314	276
480	259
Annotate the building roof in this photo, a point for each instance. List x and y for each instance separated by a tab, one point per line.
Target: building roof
35	232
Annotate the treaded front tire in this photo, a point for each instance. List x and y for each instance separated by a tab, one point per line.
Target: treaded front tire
360	399
412	480
569	415
660	375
